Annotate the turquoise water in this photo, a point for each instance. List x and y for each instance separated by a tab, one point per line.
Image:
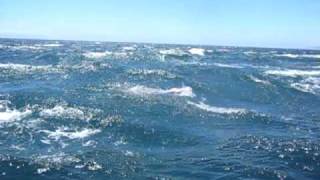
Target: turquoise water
95	110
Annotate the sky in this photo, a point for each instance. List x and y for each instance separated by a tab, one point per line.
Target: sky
261	23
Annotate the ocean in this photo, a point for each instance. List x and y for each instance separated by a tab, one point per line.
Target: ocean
106	110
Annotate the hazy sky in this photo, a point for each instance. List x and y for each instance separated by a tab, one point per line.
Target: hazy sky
266	23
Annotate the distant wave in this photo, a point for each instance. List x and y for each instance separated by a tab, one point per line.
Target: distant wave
293	72
143	90
129	48
299	55
52	45
173	52
197	51
218	110
97	54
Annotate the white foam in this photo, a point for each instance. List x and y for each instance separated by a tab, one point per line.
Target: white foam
64	112
299	55
52	45
25	68
158	72
8	115
174	52
143	90
197	51
25	47
293	72
308	85
94	55
71	134
287	55
236	66
12	115
129	48
218	110
249	53
257	80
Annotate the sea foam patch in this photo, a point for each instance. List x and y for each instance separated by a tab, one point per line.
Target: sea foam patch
97	54
217	110
70	133
61	111
197	51
316	56
25	68
143	90
293	72
8	114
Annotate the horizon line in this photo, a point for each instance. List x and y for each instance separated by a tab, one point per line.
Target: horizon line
159	43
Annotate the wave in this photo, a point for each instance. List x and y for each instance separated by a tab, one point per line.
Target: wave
143	90
65	112
94	55
257	80
129	48
24	68
309	85
158	72
173	52
52	45
236	66
299	55
217	110
293	72
197	51
68	133
7	114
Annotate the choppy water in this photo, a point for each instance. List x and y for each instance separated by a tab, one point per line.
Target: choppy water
93	110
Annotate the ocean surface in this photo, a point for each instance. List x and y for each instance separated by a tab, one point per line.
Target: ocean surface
100	110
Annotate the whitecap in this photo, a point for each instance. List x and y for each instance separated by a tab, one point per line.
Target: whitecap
217	110
52	45
173	52
25	47
143	90
308	85
7	114
158	72
293	72
299	55
287	55
93	55
129	48
60	111
25	68
68	133
197	51
236	66
257	80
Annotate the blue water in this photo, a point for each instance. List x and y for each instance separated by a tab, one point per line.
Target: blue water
96	110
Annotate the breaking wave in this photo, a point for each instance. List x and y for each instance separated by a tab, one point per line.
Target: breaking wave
70	133
143	91
293	72
316	56
7	114
197	51
217	110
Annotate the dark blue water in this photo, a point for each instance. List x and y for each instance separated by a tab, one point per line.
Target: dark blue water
95	110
